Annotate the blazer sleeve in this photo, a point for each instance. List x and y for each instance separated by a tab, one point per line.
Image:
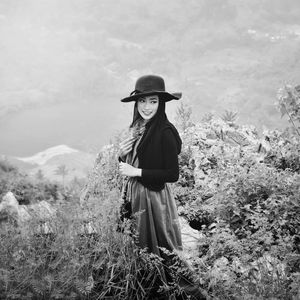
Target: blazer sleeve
170	170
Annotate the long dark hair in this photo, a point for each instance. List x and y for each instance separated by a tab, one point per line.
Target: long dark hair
154	126
159	118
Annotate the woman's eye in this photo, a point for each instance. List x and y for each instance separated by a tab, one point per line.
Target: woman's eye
154	102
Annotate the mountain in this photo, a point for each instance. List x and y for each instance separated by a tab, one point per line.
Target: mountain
42	157
77	163
21	165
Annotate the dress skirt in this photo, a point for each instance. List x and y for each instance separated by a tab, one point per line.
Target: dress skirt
156	218
155	213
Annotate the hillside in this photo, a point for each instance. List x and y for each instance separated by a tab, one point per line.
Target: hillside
77	163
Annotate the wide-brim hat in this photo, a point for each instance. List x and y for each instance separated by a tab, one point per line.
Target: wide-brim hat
148	85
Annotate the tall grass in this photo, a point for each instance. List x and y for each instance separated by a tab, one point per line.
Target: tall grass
80	255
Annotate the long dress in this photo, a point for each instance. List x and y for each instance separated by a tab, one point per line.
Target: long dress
156	222
156	217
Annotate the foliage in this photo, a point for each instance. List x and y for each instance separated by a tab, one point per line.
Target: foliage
82	256
104	175
63	172
283	150
240	190
183	116
245	200
6	167
288	102
26	189
39	175
229	117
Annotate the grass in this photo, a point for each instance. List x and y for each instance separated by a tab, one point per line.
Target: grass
81	255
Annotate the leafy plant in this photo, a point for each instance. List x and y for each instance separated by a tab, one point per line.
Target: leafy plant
245	201
289	104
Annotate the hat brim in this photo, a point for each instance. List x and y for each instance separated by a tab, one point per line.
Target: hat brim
165	96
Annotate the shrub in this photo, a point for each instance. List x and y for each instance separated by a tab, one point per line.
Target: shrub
81	256
245	201
26	189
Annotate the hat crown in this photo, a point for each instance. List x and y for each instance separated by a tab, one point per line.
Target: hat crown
150	83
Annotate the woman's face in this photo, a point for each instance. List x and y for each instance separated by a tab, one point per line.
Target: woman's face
147	106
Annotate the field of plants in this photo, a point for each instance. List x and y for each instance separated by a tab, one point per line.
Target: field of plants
239	188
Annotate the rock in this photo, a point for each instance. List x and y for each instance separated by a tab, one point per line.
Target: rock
22	214
9	208
40	210
190	237
9	201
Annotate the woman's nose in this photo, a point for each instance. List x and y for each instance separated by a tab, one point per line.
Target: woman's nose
147	104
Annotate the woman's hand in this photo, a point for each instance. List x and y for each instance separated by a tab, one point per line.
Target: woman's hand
128	170
126	146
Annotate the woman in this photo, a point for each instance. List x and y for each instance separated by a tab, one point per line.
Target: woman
149	159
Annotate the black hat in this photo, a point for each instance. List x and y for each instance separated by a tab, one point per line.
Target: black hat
148	85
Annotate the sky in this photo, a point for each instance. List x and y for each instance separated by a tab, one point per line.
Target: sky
65	64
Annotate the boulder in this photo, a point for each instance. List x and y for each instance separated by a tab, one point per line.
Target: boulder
42	210
22	214
9	209
190	237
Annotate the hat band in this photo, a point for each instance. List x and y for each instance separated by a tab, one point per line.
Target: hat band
135	92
